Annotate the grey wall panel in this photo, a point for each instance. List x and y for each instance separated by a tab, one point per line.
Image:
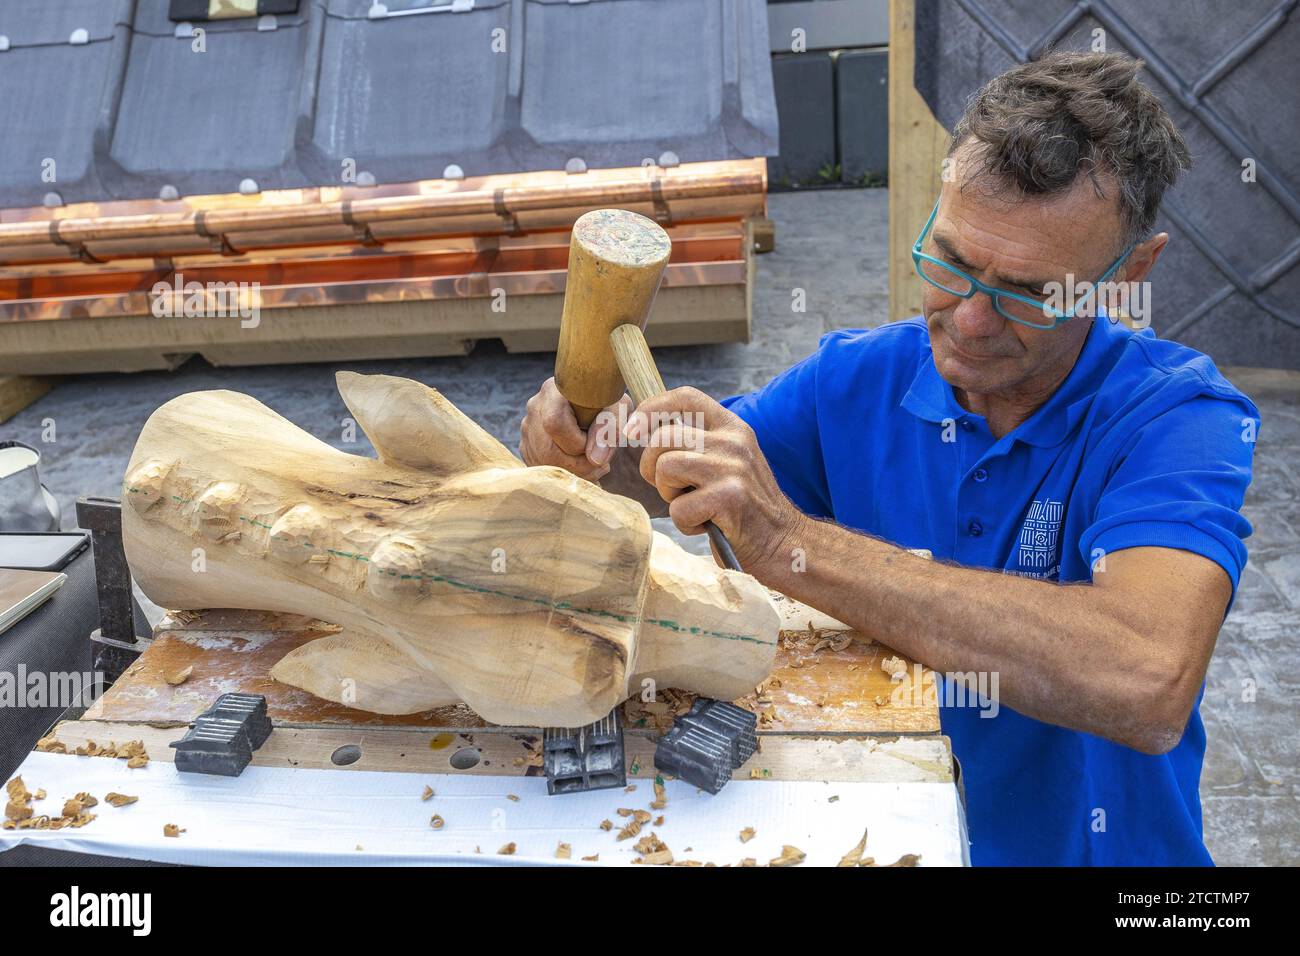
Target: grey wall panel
827	24
51	93
203	121
577	91
405	96
33	22
403	89
862	106
1228	281
805	98
58	124
617	81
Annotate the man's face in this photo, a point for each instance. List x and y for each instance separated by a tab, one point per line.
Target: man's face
1018	244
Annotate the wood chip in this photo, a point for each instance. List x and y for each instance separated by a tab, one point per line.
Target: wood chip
51	745
607	825
507	850
632	829
512	798
564	852
17	791
854	856
790	856
428	793
748	861
17	811
176	678
746	834
172	830
907	859
661	797
895	667
653	851
437	822
119	799
593	858
659	820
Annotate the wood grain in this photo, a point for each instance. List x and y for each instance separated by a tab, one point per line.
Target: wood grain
456	573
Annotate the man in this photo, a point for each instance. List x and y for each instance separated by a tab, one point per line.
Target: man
1078	483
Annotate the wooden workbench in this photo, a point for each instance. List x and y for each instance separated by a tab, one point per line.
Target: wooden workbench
829	716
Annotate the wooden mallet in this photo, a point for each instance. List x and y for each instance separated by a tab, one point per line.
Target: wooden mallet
616	262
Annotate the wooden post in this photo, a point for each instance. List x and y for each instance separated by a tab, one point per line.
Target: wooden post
19	391
917	146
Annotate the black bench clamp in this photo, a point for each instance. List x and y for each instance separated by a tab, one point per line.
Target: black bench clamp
705	745
224	736
584	758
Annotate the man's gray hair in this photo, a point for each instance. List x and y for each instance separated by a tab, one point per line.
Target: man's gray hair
1039	126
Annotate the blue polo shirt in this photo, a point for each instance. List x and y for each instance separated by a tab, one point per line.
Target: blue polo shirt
1143	444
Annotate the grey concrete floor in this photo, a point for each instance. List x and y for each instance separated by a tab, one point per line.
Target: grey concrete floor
832	245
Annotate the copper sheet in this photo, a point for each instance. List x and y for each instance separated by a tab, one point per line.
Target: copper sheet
457	267
289	217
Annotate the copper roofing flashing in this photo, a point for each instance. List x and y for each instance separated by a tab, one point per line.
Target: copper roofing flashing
502	204
704	254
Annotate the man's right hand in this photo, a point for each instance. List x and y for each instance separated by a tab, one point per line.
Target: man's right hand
549	435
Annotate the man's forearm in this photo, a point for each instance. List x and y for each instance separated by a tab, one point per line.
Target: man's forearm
1072	655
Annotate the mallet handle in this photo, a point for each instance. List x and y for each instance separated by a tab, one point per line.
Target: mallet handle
643	381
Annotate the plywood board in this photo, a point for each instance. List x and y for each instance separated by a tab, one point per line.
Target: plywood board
815	688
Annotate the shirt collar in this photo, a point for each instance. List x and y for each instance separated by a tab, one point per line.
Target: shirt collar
931	398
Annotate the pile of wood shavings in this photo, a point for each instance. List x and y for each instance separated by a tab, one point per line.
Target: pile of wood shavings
132	751
802	647
653	851
20	816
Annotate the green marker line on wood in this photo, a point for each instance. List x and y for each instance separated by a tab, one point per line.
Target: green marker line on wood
665	623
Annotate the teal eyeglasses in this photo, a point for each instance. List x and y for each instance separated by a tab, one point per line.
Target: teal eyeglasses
1026	310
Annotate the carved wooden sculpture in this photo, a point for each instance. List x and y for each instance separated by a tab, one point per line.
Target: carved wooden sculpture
455	572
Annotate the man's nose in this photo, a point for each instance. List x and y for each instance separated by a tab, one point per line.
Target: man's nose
977	318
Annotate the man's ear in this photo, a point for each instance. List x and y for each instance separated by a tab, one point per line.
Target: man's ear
1142	258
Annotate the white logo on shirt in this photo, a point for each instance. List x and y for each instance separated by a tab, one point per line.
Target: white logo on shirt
1040	534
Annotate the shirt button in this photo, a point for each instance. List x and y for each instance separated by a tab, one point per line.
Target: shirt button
974	529
980	475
